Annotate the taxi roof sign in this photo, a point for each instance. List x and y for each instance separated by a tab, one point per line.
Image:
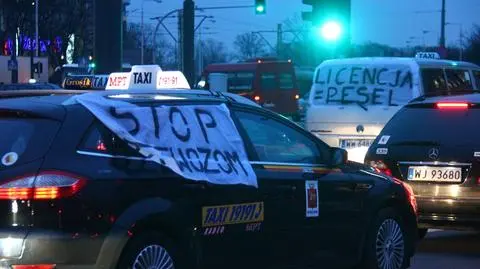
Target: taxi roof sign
147	77
427	55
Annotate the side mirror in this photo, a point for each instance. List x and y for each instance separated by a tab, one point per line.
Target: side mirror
339	156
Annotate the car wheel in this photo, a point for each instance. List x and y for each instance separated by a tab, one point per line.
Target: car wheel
149	251
387	242
422	233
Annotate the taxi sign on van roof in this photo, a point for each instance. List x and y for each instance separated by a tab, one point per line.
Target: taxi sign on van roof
147	77
427	55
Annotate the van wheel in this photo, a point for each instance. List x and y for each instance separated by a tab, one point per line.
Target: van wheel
149	250
387	244
422	233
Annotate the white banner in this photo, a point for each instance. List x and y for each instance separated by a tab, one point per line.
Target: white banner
198	142
385	84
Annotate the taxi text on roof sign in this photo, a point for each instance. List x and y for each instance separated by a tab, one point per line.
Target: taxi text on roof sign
427	55
147	77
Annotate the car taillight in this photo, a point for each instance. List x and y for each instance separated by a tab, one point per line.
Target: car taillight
381	167
452	105
46	185
34	266
410	194
256	98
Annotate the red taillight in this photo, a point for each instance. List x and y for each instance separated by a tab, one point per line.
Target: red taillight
46	185
452	105
256	98
34	266
381	167
101	146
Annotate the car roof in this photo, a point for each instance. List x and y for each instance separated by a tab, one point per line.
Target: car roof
407	60
23	99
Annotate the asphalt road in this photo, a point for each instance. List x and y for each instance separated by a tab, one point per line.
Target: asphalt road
448	250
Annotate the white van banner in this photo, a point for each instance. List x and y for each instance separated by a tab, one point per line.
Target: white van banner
389	85
198	142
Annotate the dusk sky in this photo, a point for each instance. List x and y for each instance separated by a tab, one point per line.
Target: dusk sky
391	22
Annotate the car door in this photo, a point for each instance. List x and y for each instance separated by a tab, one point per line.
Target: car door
285	159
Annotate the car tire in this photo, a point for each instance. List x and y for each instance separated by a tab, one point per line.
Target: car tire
150	250
422	232
387	244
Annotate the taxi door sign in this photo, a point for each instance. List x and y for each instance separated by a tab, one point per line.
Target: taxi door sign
311	198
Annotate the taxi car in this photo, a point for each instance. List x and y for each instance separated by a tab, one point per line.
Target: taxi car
146	176
432	143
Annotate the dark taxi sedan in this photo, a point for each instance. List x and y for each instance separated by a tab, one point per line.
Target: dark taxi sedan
75	195
433	144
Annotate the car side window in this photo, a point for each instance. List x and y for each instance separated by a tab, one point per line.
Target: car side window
476	75
277	142
459	79
433	80
100	139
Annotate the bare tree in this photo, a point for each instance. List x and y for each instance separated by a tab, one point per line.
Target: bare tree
472	51
213	51
249	45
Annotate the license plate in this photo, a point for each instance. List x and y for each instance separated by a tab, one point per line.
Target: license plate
355	143
437	174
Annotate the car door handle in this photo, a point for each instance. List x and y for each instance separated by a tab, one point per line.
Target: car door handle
287	188
360	187
195	186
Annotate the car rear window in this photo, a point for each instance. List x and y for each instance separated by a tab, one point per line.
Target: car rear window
25	139
452	127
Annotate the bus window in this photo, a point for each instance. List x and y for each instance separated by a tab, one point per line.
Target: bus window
268	82
433	80
286	81
458	79
240	82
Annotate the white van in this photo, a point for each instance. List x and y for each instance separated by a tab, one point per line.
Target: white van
352	99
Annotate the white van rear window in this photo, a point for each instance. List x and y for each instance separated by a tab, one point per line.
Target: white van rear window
365	85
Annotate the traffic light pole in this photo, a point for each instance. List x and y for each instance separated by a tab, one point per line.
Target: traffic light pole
188	40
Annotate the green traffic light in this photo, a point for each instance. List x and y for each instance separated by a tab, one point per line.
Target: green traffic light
92	65
331	30
260	9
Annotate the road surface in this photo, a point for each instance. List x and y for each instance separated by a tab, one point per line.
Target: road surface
448	250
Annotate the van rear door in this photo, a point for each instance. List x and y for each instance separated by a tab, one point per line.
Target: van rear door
352	100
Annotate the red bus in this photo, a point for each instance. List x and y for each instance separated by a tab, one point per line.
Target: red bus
270	83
